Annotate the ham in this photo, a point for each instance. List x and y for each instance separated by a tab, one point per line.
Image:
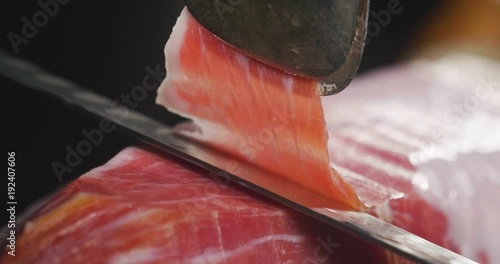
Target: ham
142	207
377	133
417	145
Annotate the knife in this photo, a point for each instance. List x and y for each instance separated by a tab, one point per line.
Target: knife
279	189
319	39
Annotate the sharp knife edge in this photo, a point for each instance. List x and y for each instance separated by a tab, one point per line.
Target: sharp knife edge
276	188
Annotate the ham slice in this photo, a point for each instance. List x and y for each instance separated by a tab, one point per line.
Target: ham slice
249	109
142	207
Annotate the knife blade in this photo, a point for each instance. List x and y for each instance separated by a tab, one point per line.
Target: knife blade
319	39
279	189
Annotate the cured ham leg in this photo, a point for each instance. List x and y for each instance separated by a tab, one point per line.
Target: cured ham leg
142	207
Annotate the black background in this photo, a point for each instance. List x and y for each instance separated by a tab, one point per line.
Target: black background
105	46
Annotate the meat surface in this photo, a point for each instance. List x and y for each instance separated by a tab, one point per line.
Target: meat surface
142	207
426	136
249	109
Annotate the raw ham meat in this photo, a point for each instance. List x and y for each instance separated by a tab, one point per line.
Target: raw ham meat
142	207
382	129
420	144
249	109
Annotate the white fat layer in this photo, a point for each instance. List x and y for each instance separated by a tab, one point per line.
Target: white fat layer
137	255
216	255
172	51
288	83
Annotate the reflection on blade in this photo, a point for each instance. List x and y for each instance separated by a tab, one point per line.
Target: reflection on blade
276	188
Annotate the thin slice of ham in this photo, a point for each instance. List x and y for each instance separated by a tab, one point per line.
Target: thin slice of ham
142	207
249	109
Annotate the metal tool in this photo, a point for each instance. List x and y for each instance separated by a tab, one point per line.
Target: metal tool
258	180
320	39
